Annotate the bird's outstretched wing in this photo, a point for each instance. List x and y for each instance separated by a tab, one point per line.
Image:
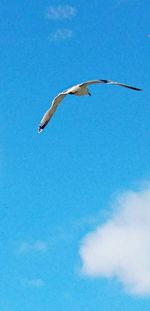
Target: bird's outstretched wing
124	85
110	82
92	82
49	113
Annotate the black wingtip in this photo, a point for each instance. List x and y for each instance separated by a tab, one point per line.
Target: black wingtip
104	81
40	129
138	89
134	88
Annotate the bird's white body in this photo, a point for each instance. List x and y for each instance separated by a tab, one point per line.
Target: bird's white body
78	90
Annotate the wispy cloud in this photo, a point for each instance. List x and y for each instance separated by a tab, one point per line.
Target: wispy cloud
36	283
121	247
37	246
61	34
61	12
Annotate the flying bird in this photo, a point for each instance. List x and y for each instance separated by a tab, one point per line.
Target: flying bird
78	90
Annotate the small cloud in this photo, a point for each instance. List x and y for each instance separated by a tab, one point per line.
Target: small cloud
61	34
37	246
120	247
37	283
40	246
61	12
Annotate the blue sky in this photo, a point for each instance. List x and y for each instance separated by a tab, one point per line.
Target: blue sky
75	199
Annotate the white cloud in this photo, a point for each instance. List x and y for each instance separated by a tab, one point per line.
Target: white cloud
37	246
37	283
61	34
121	247
61	12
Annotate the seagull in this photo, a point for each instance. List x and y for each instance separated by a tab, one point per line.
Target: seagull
78	90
